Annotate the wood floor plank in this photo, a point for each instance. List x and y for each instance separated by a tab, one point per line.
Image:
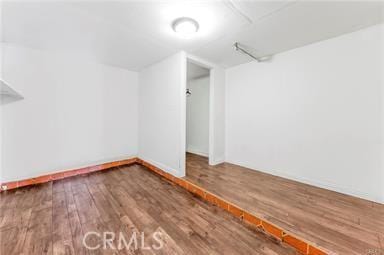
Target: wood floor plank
338	222
74	220
39	235
196	227
61	237
54	218
85	205
12	240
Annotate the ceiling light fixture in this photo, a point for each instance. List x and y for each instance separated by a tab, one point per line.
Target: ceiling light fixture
185	26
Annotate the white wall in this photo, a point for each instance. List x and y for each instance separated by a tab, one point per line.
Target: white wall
314	114
198	116
217	124
161	118
1	77
74	114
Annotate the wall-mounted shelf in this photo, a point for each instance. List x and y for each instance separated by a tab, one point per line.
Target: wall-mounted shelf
7	94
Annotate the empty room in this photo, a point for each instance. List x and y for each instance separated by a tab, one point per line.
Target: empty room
191	127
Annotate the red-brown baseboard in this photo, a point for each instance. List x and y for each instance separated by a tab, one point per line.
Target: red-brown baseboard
65	174
300	244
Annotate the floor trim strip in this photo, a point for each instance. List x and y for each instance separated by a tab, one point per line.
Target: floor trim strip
65	174
300	244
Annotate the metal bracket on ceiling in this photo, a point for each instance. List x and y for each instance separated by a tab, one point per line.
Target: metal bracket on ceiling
238	47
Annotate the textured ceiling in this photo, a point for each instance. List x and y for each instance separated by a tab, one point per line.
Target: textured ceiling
135	34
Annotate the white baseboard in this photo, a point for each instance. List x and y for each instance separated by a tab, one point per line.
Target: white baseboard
214	162
316	183
197	152
170	170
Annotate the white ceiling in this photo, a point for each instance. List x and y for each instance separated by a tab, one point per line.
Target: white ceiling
135	34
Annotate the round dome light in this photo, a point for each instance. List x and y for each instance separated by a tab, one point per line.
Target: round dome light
185	26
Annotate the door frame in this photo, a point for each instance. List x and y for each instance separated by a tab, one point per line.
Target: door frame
210	66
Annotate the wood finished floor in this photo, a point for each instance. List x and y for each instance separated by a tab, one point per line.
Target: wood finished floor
52	218
341	223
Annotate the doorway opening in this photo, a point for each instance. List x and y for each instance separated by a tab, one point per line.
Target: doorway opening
197	113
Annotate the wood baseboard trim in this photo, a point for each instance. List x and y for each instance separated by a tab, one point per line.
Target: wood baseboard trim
301	245
65	174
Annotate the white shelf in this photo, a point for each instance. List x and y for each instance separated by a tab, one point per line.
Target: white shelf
7	94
